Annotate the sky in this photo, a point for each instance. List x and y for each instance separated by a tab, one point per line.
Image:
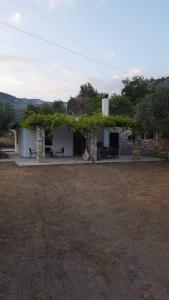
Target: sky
131	35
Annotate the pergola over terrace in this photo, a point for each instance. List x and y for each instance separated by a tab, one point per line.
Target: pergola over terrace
86	125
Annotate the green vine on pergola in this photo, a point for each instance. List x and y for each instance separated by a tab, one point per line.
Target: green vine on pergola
83	124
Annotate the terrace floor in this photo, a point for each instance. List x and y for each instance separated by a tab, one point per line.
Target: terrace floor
72	160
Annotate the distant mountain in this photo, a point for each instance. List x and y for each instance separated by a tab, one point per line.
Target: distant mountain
159	82
19	103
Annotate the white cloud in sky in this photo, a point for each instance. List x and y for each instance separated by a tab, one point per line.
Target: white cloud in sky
66	72
9	79
116	77
53	4
54	90
14	58
135	72
34	81
16	18
108	85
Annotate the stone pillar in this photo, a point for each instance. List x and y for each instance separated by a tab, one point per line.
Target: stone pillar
40	139
16	140
136	150
93	145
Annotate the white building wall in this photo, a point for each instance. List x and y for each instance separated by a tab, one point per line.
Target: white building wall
26	140
63	137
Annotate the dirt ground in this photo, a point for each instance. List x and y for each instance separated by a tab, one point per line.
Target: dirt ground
84	232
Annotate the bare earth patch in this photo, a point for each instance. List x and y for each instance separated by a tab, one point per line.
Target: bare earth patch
84	232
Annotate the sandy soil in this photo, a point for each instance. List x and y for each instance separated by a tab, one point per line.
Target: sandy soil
84	232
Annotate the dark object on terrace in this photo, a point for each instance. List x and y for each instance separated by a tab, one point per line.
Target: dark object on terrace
107	152
3	155
32	153
60	152
48	151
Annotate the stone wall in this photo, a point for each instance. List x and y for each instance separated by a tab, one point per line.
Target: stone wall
93	145
136	150
124	142
155	147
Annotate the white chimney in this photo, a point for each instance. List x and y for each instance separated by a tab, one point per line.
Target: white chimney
105	106
105	112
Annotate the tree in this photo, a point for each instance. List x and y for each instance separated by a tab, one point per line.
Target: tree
73	106
7	115
45	108
79	105
58	106
87	101
84	105
32	108
87	90
135	89
96	103
121	105
153	112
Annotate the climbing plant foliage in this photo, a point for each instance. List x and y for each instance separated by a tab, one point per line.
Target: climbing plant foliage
82	124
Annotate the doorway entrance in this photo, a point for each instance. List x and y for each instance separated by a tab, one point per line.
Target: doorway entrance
78	143
114	142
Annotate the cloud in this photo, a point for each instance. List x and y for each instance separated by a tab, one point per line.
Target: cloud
16	18
53	90
66	72
116	77
9	79
13	58
107	85
53	4
135	72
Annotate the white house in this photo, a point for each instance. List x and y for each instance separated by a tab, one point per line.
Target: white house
73	143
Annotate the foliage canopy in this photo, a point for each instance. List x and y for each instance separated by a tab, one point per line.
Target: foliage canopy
7	116
135	89
153	112
82	124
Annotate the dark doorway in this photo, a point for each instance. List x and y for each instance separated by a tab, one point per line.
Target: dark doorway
48	143
114	142
78	143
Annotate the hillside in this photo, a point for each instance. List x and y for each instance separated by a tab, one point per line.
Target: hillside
19	103
159	82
